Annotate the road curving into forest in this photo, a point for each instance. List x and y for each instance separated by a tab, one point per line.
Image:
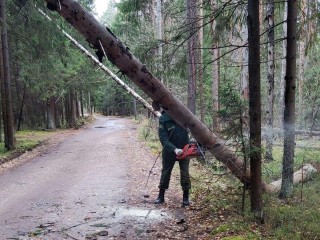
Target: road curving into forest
89	186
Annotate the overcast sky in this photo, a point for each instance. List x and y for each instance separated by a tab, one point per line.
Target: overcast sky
101	6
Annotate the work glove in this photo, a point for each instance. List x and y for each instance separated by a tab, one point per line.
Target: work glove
178	152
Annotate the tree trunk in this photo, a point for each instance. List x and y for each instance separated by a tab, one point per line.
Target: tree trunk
106	70
3	99
159	36
21	108
70	109
283	63
245	78
270	78
305	37
200	59
50	114
7	78
89	104
77	104
215	70
192	54
73	106
300	81
289	100
97	35
255	106
58	112
81	103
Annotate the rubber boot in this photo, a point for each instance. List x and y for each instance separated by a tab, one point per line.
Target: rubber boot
185	201
160	198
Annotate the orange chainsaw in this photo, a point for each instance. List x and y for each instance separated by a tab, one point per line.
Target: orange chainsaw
191	150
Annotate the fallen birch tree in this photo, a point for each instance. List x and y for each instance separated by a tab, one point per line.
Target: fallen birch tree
107	44
106	70
302	175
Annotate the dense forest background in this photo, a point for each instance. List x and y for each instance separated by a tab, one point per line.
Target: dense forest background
199	52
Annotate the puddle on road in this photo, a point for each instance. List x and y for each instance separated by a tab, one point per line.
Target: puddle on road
151	214
111	124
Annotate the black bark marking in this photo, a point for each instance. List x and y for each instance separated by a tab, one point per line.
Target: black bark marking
124	49
134	70
144	69
74	13
153	88
216	145
69	20
142	81
108	29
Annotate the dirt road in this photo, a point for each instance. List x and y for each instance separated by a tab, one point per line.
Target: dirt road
89	186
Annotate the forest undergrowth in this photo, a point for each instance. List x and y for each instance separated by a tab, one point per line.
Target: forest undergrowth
221	208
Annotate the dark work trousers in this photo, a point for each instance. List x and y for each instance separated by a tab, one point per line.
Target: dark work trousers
168	161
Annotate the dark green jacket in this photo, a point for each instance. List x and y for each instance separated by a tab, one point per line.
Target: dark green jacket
171	134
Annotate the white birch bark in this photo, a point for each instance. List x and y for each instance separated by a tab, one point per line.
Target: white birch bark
215	72
200	60
192	55
106	70
302	175
245	76
283	63
159	31
270	80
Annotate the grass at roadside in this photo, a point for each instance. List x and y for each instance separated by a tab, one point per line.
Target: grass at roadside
26	140
217	199
149	134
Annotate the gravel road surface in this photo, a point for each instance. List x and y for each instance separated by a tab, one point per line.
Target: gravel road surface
88	186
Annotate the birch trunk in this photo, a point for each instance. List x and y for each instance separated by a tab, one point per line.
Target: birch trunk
200	59
215	70
270	78
300	78
303	59
106	70
245	77
283	63
159	35
192	55
103	40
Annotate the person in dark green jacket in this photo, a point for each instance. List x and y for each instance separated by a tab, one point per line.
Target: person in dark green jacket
173	138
